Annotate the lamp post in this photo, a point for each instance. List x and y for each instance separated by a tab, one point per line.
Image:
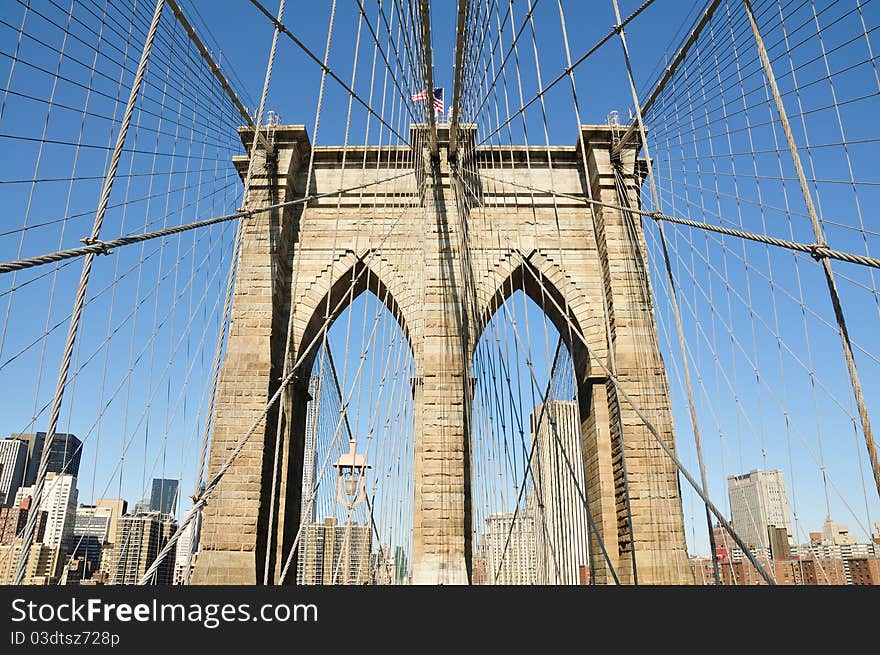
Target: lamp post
351	488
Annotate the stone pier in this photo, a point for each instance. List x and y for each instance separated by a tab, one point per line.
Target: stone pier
442	256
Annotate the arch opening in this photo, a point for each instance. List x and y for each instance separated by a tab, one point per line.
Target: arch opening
529	501
352	438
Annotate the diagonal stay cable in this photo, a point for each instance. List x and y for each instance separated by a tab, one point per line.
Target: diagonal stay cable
400	66
215	69
669	72
510	50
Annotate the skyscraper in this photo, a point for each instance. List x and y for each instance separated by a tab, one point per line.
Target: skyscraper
334	554
59	502
401	567
780	548
44	564
64	454
91	528
758	501
310	554
118	508
139	538
480	562
307	515
187	549
164	496
511	549
142	506
382	566
13	462
557	499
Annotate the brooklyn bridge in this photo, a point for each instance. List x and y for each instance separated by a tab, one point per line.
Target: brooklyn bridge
479	292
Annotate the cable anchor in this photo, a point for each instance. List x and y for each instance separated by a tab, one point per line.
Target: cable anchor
816	250
92	241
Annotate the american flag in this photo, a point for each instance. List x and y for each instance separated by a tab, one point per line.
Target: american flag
421	96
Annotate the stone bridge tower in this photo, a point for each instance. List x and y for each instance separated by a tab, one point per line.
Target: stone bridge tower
443	278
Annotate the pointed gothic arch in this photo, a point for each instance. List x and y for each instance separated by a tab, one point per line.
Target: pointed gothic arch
332	293
567	307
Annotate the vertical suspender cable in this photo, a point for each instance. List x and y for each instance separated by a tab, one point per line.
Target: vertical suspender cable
460	41
429	75
230	284
612	360
854	379
79	301
265	93
672	294
286	370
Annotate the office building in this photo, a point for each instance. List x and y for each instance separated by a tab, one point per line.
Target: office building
307	514
511	560
401	566
864	571
780	548
45	564
742	573
139	538
187	550
702	569
163	498
13	465
76	571
93	527
758	500
13	520
559	510
836	534
59	502
334	554
836	544
118	507
480	562
142	506
829	570
64	454
382	566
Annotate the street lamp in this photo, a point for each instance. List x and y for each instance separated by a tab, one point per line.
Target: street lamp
351	488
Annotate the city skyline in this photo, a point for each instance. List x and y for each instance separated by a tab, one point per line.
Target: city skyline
90	533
